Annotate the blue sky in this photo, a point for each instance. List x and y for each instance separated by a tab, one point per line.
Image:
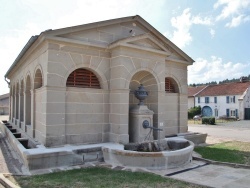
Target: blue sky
215	33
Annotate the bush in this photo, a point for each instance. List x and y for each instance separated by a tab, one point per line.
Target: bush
194	111
208	120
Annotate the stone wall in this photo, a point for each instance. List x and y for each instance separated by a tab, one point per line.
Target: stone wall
86	115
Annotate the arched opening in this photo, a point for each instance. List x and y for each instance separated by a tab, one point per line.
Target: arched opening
17	101
38	80
83	78
171	85
21	101
207	111
28	101
150	84
37	104
13	103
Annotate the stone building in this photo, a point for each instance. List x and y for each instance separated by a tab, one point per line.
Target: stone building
75	85
4	104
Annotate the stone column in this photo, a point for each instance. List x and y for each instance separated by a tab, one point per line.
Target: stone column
119	115
55	134
183	106
120	68
21	106
32	113
11	108
15	109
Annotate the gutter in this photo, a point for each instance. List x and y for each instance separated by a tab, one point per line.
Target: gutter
21	54
7	82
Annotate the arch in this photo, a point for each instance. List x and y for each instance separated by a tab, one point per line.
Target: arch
207	111
38	78
151	85
22	100
27	100
101	77
13	101
171	86
83	78
17	99
129	78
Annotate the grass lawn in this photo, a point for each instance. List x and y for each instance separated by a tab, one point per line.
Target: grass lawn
233	152
99	177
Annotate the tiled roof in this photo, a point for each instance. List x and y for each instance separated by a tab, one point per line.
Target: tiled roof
4	96
194	90
234	88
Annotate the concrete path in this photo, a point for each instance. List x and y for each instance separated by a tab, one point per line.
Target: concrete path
212	175
236	130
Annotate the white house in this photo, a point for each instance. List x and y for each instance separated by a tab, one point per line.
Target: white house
192	91
230	100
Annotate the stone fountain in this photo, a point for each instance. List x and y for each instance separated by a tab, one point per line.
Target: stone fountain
141	119
143	151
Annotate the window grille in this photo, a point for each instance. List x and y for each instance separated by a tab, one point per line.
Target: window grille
83	78
169	86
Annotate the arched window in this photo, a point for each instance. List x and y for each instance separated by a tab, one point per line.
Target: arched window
38	80
83	78
171	86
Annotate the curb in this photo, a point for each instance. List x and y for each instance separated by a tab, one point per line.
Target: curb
234	165
7	183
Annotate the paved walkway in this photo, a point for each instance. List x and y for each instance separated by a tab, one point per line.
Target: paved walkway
212	175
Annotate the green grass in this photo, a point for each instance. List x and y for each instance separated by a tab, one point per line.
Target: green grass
99	177
233	152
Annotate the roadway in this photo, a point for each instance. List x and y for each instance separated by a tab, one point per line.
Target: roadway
236	130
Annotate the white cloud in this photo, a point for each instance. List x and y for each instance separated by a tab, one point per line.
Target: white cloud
212	33
181	36
203	70
182	24
233	10
236	21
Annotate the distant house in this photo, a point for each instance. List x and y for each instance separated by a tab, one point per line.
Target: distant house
230	100
192	91
4	104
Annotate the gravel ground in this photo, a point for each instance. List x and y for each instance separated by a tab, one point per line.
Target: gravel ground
9	160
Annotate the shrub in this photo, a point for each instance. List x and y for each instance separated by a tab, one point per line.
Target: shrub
194	111
208	120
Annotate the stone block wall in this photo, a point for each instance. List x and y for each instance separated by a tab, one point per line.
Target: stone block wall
86	115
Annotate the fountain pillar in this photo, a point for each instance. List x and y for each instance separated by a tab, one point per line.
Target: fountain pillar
140	119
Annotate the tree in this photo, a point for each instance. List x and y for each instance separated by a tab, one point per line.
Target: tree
194	111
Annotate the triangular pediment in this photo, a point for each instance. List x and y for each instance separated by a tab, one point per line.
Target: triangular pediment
144	42
147	43
133	31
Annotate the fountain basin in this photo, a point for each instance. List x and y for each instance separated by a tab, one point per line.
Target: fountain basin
151	160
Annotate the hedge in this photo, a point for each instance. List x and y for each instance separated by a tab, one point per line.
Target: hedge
208	120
